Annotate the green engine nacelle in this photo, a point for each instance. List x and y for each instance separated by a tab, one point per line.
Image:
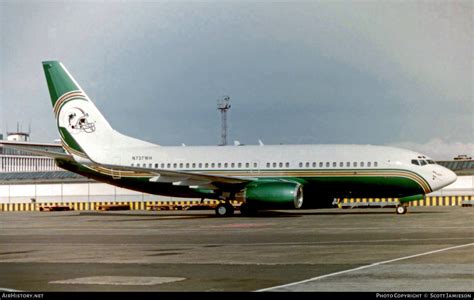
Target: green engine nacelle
274	194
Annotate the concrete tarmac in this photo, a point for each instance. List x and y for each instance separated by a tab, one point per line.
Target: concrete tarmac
428	249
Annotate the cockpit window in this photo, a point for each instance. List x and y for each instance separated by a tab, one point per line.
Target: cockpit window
423	162
431	162
415	162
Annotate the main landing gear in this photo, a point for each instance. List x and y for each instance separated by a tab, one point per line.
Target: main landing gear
402	209
224	210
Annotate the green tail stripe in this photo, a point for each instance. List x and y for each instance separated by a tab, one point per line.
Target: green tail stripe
69	140
59	82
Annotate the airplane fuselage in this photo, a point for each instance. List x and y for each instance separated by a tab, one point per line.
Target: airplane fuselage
329	171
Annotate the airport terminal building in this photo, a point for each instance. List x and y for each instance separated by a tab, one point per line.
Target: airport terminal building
31	182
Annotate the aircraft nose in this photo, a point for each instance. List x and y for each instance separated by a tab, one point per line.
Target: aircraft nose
445	176
450	176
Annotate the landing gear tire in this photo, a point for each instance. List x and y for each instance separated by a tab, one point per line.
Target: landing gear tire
247	210
401	210
224	210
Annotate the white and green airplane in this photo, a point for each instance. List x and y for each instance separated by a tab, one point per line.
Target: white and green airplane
261	176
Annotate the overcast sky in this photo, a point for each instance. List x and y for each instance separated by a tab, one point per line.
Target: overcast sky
358	72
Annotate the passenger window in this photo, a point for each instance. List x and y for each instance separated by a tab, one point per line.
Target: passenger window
307	164
376	164
423	162
225	165
181	165
232	165
415	162
280	165
194	165
207	165
341	164
219	165
314	164
327	165
354	164
132	165
361	163
156	166
200	165
369	164
168	165
274	164
348	164
320	164
212	165
150	166
301	164
174	165
334	164
239	165
287	164
162	165
268	165
255	165
247	165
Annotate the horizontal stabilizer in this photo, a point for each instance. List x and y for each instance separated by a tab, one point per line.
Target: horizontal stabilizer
33	148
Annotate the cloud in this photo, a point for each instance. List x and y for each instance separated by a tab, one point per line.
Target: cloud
438	148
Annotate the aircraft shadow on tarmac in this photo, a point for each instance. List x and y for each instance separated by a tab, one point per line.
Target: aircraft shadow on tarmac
263	214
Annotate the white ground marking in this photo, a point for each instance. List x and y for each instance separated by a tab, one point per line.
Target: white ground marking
363	267
9	290
119	280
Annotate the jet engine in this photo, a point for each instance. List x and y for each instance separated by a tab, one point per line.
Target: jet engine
274	194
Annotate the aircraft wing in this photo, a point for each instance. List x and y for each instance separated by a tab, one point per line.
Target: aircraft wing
183	178
33	148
